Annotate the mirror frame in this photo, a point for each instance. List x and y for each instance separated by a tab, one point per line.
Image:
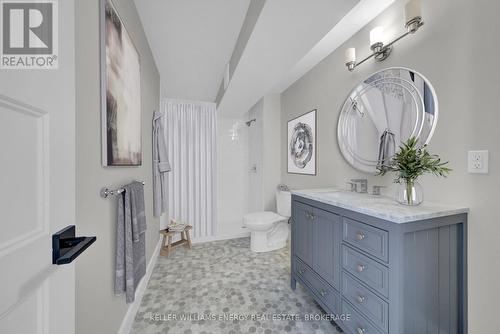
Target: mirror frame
347	101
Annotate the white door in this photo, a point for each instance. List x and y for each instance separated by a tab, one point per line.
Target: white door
37	190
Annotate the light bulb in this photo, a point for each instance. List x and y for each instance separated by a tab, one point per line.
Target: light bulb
350	55
376	36
413	11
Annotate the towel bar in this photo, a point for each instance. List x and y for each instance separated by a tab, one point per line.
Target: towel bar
105	192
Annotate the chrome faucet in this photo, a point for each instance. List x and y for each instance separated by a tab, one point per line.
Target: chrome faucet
376	190
363	185
354	186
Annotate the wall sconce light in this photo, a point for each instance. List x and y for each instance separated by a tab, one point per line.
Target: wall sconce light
380	51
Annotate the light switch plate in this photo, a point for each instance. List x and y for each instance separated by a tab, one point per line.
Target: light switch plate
477	162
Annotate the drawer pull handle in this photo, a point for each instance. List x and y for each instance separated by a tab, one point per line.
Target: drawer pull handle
360	268
360	299
360	330
323	293
360	236
309	215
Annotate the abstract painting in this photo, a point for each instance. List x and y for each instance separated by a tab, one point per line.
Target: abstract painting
121	92
302	144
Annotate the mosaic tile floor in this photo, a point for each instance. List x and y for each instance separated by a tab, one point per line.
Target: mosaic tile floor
222	287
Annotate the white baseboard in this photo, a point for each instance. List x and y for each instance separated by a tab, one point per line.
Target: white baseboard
221	237
128	320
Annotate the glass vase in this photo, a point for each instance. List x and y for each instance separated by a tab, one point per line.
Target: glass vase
410	193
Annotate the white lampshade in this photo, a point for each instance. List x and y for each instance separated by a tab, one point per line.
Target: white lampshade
350	55
412	10
376	35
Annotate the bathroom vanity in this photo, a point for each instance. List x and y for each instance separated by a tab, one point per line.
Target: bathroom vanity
393	269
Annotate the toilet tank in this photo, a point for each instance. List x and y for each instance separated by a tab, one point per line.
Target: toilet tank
284	203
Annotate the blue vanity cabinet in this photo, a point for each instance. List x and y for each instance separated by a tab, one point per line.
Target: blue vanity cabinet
327	233
389	277
302	224
315	248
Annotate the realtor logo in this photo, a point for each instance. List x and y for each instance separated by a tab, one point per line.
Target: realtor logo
29	34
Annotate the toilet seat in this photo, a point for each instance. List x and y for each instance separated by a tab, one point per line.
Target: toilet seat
266	217
269	230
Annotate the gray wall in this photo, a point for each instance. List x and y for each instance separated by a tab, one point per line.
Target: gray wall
255	157
457	51
97	309
264	153
271	143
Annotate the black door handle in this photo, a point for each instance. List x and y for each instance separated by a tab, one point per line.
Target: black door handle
66	246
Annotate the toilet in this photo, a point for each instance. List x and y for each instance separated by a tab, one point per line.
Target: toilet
269	230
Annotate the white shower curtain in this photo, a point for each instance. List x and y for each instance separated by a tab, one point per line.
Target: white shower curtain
191	140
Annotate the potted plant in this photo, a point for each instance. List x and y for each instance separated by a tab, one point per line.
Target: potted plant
410	163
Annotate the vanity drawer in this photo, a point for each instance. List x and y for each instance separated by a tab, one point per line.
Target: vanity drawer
323	291
369	304
372	240
370	272
302	269
357	324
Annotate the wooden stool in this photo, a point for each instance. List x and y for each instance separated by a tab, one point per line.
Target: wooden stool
168	246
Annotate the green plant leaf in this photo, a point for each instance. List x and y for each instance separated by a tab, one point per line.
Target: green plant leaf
413	161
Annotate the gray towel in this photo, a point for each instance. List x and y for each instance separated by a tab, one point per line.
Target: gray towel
386	151
130	241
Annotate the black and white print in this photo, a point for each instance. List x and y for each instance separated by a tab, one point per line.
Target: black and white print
302	144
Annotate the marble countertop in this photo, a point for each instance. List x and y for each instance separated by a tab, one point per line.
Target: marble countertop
379	206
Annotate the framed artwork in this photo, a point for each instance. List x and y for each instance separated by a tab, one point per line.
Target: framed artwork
302	144
120	92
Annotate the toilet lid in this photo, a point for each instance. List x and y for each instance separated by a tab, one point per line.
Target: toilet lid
263	217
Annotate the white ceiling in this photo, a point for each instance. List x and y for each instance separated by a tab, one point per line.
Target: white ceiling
192	41
362	13
296	35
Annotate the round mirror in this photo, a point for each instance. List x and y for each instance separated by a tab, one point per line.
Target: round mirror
383	111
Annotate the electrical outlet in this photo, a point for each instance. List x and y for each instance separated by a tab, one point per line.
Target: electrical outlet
478	162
